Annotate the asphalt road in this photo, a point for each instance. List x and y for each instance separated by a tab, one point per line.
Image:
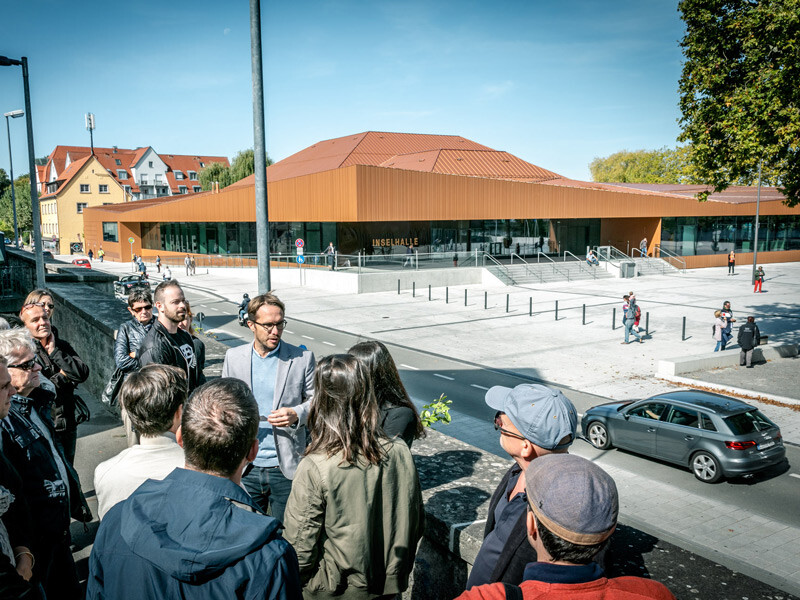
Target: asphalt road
772	494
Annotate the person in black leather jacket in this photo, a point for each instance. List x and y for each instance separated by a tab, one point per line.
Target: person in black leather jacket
129	338
60	364
50	484
166	343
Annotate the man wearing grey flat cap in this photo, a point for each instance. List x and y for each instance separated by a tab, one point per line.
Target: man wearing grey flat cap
571	512
533	420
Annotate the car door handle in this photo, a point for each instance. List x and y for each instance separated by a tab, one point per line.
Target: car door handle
651	429
689	438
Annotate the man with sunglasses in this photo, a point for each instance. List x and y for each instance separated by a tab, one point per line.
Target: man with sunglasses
281	377
166	343
533	420
129	338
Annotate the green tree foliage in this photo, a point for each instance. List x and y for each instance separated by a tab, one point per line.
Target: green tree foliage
23	193
665	165
4	181
243	165
739	97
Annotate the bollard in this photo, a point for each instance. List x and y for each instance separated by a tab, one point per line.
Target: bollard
583	319
485	300
465	297
413	289
530	306
647	323
683	331
614	319
398	287
507	296
556	310
446	295
429	292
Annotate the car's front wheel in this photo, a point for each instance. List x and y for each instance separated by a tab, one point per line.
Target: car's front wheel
598	436
706	468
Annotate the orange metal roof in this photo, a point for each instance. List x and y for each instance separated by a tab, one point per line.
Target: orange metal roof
475	163
736	194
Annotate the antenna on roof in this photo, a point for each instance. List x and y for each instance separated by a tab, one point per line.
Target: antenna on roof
90	127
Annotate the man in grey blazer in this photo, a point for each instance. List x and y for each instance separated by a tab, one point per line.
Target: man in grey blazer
281	377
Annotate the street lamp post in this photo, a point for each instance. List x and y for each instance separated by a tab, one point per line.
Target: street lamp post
14	114
35	216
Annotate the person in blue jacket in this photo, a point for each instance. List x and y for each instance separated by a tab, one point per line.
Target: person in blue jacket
197	534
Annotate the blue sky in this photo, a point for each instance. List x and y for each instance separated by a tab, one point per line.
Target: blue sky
555	83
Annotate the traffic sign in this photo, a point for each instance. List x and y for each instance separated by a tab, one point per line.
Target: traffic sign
131	239
301	259
299	242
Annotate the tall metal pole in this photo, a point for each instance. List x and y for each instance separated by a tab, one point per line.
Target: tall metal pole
259	149
13	193
35	216
758	207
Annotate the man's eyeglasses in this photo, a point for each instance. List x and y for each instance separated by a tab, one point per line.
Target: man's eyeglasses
141	308
24	366
498	426
270	326
48	305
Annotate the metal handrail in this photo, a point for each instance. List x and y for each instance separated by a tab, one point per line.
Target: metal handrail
672	255
580	263
527	266
555	269
503	268
513	254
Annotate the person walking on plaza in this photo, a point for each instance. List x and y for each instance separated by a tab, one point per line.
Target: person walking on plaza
731	262
167	273
50	484
534	421
196	533
64	368
187	262
719	325
330	257
126	347
727	314
282	379
193	265
629	319
398	415
90	255
749	337
571	511
355	514
759	280
166	343
154	399
643	247
101	254
158	263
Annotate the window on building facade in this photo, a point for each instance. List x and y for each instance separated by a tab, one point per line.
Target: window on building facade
143	180
179	175
103	188
126	189
150	164
157	177
197	188
110	232
117	161
84	188
81	206
122	174
183	189
193	175
202	164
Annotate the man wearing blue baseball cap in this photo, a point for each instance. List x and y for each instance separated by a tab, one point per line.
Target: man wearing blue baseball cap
533	420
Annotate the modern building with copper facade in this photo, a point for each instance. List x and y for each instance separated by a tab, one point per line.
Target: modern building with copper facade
378	192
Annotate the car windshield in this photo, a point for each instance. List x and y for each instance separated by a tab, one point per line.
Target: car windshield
748	422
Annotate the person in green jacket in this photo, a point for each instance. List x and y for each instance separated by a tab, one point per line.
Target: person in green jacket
355	513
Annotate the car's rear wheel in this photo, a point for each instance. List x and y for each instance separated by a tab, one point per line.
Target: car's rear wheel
706	468
598	436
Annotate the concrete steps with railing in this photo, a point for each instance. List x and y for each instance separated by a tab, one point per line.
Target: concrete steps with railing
653	266
533	273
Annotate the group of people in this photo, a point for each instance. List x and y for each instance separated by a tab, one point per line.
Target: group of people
748	337
631	315
190	264
285	478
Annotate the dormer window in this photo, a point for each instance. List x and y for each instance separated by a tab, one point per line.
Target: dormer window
179	175
122	174
193	175
118	161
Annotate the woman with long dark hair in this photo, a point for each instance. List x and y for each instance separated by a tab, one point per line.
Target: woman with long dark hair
355	513
398	416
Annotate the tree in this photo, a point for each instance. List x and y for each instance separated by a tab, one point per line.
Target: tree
643	166
4	181
243	165
739	98
23	193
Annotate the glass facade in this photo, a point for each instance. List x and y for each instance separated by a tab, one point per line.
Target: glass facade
110	232
690	236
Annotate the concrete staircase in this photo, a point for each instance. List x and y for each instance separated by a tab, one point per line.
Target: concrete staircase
653	266
532	273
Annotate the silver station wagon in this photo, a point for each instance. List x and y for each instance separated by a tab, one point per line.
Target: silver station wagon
714	435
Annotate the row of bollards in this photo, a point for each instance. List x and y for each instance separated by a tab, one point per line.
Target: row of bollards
530	307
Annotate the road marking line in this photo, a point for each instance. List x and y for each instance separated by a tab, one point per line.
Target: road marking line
203	306
307	337
443	376
329	344
290	332
794	475
409	367
480	387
